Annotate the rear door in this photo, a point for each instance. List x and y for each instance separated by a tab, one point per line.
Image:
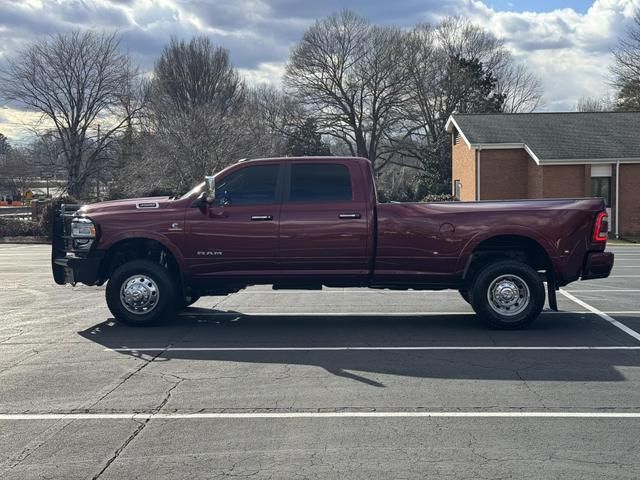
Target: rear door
323	220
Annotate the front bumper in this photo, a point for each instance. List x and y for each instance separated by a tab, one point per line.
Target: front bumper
71	269
597	265
69	265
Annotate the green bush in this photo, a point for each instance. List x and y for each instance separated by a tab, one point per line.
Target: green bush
12	227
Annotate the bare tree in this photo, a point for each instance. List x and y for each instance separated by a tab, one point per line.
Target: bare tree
386	94
626	69
352	78
521	88
77	81
454	68
16	170
274	117
193	125
593	104
459	37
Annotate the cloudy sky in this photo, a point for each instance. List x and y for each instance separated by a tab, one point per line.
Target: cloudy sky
566	43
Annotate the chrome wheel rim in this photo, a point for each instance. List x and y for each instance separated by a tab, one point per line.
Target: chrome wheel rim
139	294
508	295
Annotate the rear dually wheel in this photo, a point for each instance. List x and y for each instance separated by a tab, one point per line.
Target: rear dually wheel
507	294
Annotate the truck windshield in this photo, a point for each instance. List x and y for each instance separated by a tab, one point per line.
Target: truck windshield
195	190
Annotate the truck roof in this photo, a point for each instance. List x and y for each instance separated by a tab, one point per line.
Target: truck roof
304	159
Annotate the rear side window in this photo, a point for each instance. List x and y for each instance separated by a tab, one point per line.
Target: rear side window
320	182
254	185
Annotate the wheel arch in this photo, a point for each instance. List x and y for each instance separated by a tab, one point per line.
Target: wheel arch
519	247
139	248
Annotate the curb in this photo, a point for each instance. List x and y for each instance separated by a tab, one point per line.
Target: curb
25	240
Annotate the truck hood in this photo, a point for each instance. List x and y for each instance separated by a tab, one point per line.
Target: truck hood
129	204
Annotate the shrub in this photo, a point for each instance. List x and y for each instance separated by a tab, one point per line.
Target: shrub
12	227
443	197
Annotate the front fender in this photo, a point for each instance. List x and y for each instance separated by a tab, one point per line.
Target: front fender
111	240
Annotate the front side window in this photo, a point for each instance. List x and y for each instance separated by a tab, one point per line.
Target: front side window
601	187
320	182
254	185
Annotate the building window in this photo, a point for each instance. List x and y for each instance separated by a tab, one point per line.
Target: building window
601	187
457	189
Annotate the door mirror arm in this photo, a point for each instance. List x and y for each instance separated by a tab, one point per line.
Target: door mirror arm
210	188
202	201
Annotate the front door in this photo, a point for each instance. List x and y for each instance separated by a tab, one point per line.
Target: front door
323	221
238	234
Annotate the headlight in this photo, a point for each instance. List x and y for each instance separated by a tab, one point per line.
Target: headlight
82	228
83	232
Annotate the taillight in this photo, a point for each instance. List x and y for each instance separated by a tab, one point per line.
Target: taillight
601	228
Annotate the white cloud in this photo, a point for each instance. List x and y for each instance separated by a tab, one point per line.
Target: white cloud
266	73
568	50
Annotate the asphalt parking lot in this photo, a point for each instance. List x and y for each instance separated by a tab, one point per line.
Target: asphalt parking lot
337	384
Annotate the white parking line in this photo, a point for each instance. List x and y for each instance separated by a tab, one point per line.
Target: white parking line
346	290
596	290
293	415
602	315
344	314
349	348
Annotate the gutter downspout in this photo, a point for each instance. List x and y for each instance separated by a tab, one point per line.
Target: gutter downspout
478	173
617	199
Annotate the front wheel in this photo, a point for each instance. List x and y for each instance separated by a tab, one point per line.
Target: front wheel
507	294
141	293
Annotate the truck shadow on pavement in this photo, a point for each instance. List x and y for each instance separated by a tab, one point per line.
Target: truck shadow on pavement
237	334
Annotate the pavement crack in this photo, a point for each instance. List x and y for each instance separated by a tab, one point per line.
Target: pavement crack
531	389
15	335
141	426
121	448
137	370
125	379
31	354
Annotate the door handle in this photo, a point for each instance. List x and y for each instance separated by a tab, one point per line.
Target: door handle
262	218
349	215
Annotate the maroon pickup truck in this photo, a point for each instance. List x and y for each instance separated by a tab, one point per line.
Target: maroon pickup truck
304	223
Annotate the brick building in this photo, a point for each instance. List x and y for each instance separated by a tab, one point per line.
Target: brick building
550	155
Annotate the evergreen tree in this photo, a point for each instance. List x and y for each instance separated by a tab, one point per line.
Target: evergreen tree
305	140
5	147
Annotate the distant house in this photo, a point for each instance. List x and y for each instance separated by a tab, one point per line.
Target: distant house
550	155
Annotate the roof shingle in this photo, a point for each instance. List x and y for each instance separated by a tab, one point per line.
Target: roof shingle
559	136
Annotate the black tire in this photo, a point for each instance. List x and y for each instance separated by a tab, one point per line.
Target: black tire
157	280
465	295
514	304
187	301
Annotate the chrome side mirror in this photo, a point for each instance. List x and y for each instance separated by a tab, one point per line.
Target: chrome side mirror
210	188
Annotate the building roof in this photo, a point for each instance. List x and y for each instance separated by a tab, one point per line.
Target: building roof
555	137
